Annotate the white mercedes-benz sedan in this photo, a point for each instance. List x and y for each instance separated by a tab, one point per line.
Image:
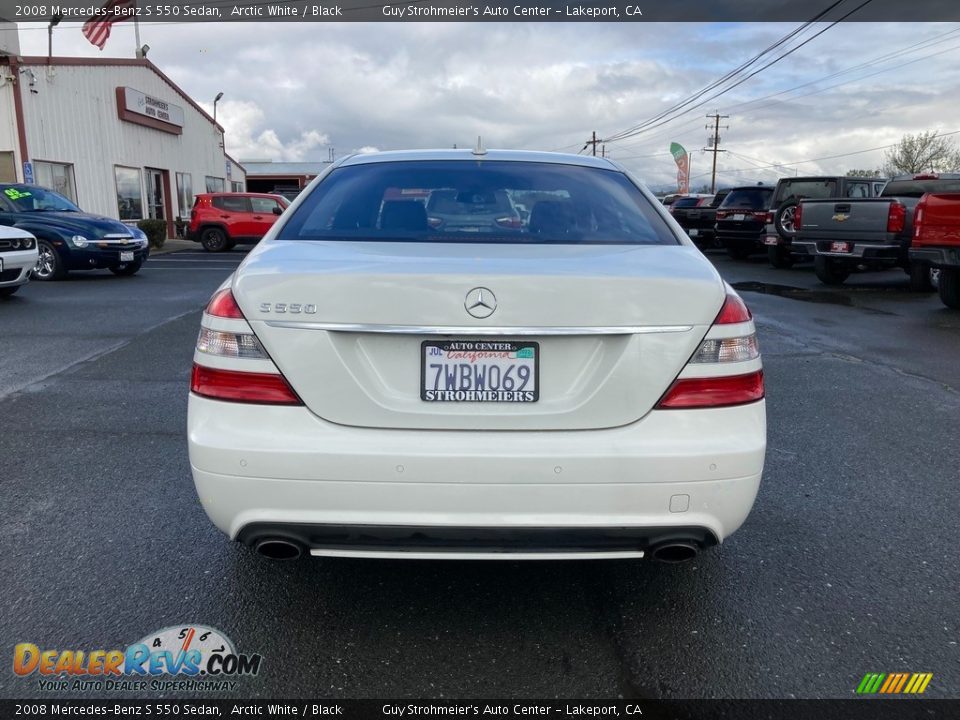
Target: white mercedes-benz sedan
477	354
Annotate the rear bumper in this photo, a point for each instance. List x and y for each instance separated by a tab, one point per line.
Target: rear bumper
742	237
15	266
939	256
284	471
860	250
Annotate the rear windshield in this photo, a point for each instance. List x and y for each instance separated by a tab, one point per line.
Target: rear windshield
686	202
451	201
917	188
749	198
806	190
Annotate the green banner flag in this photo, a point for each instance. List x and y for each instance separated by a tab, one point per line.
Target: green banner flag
677	150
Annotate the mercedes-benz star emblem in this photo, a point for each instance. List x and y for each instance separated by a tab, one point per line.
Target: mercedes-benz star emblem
480	302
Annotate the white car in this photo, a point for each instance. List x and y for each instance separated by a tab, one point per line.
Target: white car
579	385
18	256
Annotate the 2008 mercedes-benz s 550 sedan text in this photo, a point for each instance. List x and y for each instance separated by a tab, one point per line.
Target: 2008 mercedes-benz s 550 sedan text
565	377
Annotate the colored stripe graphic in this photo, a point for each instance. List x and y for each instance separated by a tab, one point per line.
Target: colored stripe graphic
894	683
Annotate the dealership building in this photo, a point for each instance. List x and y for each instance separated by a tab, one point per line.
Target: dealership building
115	135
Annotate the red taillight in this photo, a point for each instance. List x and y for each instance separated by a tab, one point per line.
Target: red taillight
734	310
769	217
713	392
514	223
721	214
896	217
918	217
927	176
245	387
434	222
223	305
797	217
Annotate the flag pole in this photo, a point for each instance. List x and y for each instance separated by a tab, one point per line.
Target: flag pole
136	31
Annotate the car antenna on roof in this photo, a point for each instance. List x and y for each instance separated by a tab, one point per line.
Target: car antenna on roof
479	149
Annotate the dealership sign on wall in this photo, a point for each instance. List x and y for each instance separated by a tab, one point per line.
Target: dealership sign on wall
138	107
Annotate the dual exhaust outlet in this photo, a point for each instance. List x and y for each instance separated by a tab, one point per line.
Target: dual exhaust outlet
674	551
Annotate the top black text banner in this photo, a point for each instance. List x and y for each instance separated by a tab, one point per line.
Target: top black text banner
462	11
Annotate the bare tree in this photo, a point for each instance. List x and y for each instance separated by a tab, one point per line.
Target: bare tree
923	152
865	173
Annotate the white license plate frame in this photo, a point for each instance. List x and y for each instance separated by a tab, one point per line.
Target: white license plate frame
518	392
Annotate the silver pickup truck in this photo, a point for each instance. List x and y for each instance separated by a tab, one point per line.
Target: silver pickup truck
844	235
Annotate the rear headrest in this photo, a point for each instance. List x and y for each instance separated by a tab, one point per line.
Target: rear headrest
552	216
404	215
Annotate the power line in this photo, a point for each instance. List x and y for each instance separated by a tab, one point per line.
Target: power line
650	125
729	75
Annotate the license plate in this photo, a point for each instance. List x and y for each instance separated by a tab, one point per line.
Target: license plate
126	256
739	217
840	247
771	240
693	233
479	371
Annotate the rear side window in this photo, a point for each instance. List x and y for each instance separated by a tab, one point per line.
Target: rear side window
806	190
450	201
231	203
748	198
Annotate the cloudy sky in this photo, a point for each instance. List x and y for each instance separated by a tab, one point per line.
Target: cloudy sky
292	91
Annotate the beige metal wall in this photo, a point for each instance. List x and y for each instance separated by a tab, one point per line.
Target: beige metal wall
72	118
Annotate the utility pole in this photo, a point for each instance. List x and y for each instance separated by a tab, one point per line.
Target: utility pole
603	151
593	141
714	143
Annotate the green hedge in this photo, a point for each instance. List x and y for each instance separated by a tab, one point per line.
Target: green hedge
155	230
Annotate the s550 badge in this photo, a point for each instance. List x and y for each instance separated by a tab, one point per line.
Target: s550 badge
288	308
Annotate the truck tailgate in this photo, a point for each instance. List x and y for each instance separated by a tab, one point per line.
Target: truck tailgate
863	219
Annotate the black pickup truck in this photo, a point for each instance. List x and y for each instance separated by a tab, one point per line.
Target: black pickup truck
844	235
790	191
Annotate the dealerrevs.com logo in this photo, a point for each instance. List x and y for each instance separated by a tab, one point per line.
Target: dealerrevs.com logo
178	658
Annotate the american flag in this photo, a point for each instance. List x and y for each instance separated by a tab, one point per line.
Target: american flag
97	28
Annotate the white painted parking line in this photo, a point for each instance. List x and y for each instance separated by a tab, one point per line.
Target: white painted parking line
184	260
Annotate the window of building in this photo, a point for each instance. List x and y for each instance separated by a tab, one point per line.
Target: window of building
129	193
184	193
56	176
214	184
236	187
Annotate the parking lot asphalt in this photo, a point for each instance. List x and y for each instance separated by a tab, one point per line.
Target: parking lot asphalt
847	564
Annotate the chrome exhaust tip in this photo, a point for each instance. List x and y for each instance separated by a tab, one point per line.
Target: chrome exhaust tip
278	549
675	552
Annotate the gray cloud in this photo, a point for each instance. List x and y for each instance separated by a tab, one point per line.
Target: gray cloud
292	89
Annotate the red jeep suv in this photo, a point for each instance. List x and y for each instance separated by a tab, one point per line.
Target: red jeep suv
218	221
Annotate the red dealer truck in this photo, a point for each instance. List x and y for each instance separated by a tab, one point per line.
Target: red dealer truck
936	241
